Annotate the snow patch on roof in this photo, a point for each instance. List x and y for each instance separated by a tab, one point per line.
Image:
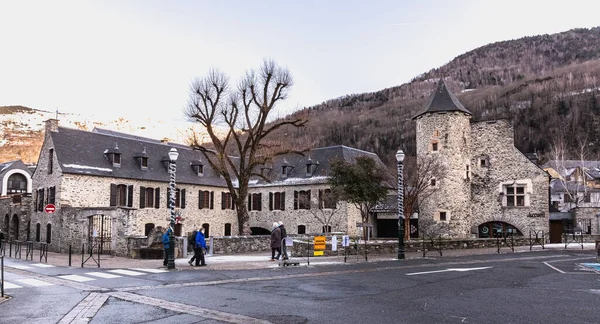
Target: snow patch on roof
6	166
293	181
85	167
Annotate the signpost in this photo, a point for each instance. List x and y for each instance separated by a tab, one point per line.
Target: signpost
319	245
50	208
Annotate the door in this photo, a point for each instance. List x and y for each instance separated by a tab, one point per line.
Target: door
556	231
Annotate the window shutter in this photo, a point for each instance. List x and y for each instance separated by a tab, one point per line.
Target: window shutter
249	202
182	198
200	200
130	196
270	201
113	194
260	201
46	197
222	200
282	200
212	200
168	195
308	204
295	199
51	195
142	197
320	198
157	198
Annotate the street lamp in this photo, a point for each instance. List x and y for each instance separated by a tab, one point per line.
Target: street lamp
400	159
173	154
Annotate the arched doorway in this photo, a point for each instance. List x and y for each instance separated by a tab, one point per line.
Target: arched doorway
497	229
260	231
5	226
14	228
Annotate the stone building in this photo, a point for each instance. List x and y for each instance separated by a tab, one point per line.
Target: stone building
110	187
488	187
15	198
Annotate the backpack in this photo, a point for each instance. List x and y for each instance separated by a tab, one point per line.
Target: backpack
192	238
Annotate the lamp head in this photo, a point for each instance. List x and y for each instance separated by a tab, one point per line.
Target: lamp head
173	154
400	156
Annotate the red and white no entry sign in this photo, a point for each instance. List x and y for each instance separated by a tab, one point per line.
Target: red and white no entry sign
50	208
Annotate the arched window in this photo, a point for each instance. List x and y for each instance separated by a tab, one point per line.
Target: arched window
48	233
147	228
28	231
327	229
17	183
206	228
14	229
38	228
301	229
227	229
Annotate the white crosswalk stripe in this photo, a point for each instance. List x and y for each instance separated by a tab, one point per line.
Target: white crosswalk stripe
42	265
34	282
103	275
76	278
127	272
18	266
8	285
150	270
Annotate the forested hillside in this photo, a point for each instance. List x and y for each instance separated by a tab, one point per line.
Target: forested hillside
548	85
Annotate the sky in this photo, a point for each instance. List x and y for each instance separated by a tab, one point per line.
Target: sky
137	59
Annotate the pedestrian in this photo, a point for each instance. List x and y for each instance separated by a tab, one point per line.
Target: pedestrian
275	242
199	247
192	245
1	235
283	236
166	240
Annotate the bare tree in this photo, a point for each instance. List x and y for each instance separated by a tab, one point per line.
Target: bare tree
237	121
419	184
326	209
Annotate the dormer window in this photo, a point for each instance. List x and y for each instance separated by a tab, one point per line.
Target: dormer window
114	156
286	169
142	159
117	159
311	167
198	167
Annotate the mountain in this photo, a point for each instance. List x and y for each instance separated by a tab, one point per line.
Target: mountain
22	130
548	85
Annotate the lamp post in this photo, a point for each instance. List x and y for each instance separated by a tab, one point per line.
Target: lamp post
173	154
400	159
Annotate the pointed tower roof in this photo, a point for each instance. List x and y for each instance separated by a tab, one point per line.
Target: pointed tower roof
441	100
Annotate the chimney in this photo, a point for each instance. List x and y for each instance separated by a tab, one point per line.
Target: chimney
51	125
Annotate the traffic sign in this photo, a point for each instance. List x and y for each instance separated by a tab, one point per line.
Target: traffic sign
50	208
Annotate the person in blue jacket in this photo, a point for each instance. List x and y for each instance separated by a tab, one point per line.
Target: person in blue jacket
199	247
166	240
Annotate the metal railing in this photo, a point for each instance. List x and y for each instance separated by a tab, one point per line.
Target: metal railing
2	276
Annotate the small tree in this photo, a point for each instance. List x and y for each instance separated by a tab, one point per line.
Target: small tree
237	124
363	183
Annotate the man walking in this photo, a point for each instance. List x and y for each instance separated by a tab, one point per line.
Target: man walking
166	241
275	242
199	247
283	236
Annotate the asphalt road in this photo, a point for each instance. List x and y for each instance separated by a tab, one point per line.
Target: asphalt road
535	287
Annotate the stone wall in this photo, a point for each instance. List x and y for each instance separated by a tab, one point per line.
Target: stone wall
9	211
505	165
583	215
451	132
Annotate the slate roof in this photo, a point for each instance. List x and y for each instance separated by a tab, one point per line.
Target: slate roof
11	165
592	168
83	152
442	100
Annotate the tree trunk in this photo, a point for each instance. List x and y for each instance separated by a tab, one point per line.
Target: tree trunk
406	229
243	220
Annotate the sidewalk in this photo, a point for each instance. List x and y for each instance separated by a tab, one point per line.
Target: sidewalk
260	260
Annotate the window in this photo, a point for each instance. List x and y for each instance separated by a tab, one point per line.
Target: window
482	163
206	230
443	216
38	228
51	195
121	195
302	199
436	133
434	147
17	183
148	227
48	233
432	182
40	200
177	231
255	202
586	226
206	199
326	229
147	196
277	200
144	163
301	229
467	172
308	168
227	201
227	229
50	160
179	197
116	159
285	169
515	196
587	197
327	200
567	198
198	168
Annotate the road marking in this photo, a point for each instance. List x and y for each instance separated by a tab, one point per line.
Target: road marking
34	282
8	285
447	270
553	267
86	309
22	267
103	275
42	265
150	270
127	272
76	278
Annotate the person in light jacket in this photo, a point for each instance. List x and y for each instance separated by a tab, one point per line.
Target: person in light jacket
275	242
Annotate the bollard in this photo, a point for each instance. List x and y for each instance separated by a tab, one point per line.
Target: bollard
2	276
70	255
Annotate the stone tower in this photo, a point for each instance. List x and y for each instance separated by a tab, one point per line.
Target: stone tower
443	134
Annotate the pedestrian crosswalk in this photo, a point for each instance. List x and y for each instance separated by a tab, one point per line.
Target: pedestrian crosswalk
85	277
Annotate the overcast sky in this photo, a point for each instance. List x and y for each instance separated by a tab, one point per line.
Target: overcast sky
137	58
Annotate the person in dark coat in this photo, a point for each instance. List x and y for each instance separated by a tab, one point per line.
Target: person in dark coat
166	240
283	236
275	242
199	247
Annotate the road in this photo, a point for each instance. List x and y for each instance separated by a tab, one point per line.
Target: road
535	287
